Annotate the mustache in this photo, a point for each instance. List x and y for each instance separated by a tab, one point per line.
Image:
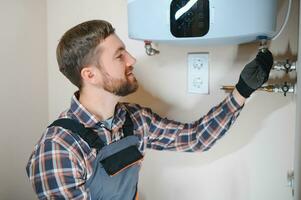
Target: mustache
129	69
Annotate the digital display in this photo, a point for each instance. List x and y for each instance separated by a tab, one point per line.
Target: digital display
189	18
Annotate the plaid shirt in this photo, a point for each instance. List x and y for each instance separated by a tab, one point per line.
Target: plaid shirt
62	162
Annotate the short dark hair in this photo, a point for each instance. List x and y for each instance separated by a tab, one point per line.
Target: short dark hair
77	46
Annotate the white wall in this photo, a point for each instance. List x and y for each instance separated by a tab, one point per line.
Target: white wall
250	163
24	97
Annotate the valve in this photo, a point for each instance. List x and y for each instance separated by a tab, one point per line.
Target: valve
149	50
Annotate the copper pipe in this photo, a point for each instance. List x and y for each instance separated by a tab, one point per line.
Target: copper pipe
285	88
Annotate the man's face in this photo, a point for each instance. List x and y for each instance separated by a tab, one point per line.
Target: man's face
116	67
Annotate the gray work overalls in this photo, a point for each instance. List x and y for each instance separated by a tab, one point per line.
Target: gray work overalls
116	167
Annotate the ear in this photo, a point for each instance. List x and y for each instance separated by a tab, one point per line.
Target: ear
90	74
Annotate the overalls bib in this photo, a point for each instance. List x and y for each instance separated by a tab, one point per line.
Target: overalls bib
116	167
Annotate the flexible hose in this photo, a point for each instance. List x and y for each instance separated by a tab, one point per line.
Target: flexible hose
285	21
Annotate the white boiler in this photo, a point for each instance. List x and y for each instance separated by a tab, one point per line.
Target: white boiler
201	21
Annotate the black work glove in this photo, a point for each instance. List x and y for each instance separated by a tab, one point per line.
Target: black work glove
255	73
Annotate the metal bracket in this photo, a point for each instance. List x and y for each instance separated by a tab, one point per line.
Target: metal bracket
290	180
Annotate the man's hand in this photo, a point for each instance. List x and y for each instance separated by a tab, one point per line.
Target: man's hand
255	73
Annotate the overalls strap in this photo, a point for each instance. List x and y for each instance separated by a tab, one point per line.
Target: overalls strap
128	126
76	127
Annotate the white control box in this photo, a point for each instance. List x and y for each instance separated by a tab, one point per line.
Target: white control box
198	73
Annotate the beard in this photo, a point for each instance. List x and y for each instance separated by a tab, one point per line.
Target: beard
120	86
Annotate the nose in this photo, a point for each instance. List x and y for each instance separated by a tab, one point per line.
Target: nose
130	60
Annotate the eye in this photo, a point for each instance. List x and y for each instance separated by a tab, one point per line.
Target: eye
119	56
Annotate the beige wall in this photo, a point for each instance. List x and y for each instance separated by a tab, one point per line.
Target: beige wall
250	163
24	97
297	165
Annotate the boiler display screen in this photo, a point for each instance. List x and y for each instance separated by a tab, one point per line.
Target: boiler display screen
189	18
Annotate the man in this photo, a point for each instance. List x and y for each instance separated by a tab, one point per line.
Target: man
95	149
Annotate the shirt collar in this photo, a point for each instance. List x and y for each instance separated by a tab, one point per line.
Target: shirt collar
89	120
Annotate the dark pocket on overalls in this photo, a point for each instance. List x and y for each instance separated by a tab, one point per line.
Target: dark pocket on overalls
120	155
121	160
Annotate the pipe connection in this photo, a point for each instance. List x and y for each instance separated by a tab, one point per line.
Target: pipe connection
149	50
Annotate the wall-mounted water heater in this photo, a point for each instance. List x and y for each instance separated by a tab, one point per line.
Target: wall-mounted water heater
201	21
